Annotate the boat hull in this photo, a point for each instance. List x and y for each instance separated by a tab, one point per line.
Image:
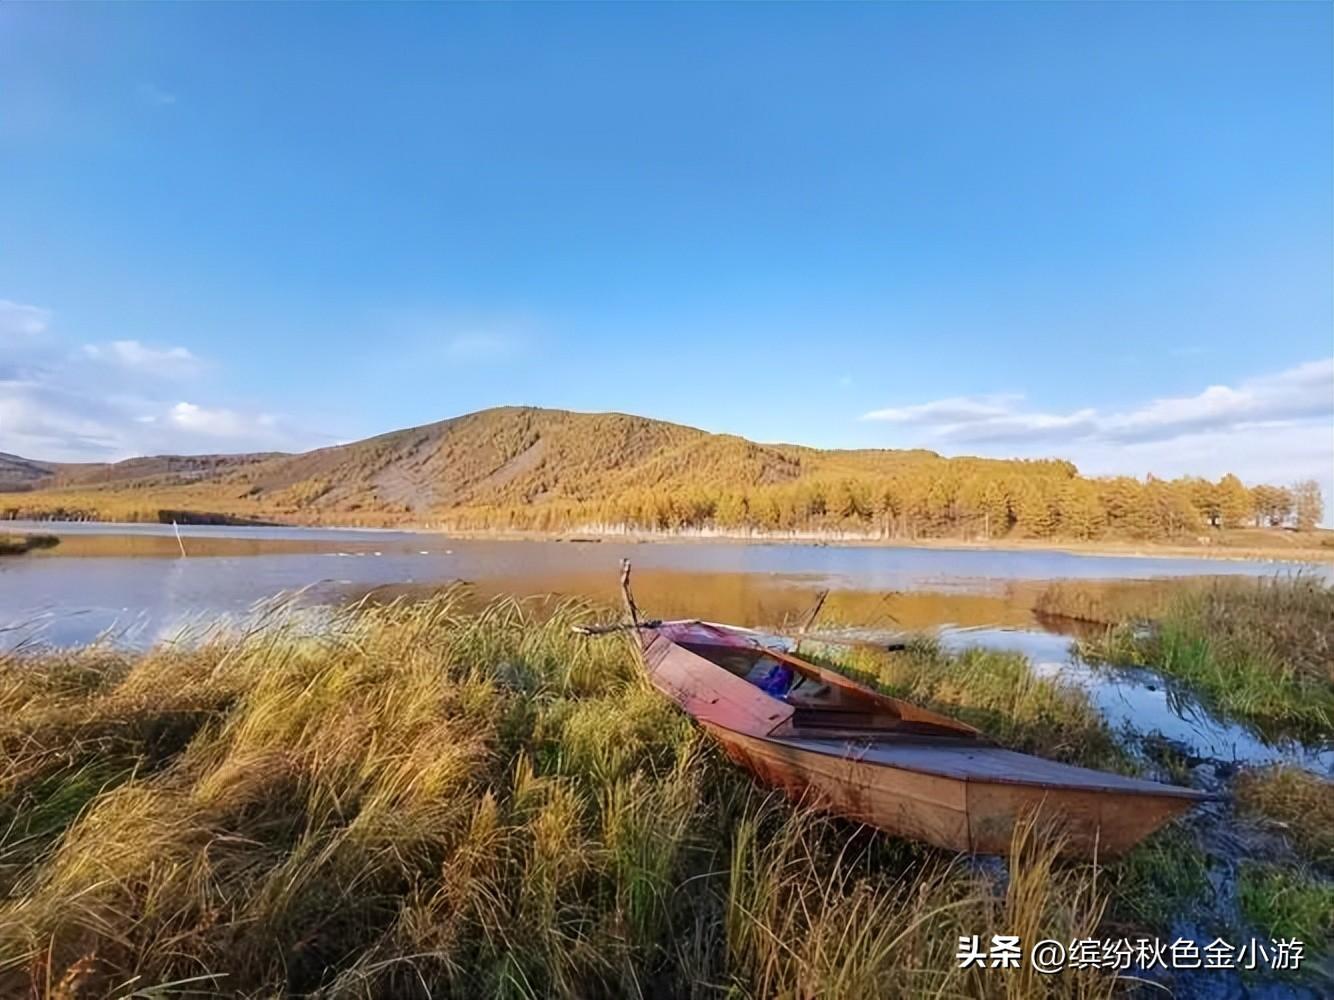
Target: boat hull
838	745
966	814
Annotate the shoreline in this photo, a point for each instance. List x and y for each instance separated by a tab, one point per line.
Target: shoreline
1109	549
1105	548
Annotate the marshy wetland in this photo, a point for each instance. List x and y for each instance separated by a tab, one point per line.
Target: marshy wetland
405	781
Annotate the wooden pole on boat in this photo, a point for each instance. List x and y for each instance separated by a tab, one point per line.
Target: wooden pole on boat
634	625
626	595
811	615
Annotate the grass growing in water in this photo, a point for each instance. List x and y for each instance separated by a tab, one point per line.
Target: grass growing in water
410	800
14	545
1162	878
1288	903
1106	602
1300	802
1258	650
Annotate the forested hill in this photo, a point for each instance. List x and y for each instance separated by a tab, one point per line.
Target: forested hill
527	468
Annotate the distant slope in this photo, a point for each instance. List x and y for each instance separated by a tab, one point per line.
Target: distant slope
18	473
524	468
155	468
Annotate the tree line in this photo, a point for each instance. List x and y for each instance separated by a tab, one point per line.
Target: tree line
935	501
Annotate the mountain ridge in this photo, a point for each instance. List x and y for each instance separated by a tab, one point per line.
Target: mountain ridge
537	468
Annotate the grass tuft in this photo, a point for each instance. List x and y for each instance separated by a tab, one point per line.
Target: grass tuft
1161	880
1288	903
1300	803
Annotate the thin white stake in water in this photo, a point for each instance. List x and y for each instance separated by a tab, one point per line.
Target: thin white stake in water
178	538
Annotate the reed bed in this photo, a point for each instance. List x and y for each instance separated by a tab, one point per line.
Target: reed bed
418	800
1261	651
1108	602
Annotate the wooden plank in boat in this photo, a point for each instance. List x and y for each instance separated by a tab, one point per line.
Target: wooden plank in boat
710	693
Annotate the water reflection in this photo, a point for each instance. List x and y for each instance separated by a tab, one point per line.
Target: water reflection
1141	702
131	582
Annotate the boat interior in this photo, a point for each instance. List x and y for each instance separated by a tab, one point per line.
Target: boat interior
825	703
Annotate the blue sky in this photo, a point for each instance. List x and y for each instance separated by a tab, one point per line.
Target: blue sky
1104	232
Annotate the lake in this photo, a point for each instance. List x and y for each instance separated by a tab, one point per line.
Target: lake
131	584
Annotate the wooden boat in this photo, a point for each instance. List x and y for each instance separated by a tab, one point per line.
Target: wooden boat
851	750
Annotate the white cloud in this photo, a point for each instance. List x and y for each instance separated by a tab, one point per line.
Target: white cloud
1301	393
221	423
134	356
21	320
1275	428
45	423
1265	453
107	401
77	423
954	409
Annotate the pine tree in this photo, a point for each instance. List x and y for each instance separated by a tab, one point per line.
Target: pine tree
1170	508
938	505
885	506
1081	515
1234	501
984	505
730	510
996	509
841	502
1033	509
1203	496
1123	498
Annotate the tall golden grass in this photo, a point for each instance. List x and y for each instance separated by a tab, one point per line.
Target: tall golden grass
416	800
1260	650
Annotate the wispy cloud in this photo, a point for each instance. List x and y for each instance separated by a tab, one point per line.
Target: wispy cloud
1300	393
19	320
222	423
106	401
70	422
1276	427
131	355
45	421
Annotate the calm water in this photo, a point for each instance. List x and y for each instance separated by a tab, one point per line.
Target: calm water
131	581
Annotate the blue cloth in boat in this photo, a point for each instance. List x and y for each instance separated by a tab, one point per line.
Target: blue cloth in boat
771	677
